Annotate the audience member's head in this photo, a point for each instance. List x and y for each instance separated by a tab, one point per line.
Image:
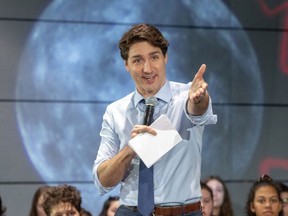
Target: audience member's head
284	197
264	198
37	201
62	200
110	206
2	208
222	205
206	200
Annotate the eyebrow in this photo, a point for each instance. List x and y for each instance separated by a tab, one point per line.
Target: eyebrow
273	196
150	54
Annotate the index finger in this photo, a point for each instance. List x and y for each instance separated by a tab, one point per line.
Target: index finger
201	71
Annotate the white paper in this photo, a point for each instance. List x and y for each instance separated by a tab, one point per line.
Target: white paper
151	148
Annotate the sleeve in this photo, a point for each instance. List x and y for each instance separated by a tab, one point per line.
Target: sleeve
109	146
206	119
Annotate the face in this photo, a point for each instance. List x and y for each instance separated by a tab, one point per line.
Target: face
64	209
218	192
206	203
266	202
114	205
284	197
147	66
39	208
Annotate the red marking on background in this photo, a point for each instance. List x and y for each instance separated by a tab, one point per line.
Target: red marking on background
284	41
284	48
272	11
269	164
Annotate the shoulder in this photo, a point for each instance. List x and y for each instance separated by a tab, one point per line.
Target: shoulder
122	103
178	88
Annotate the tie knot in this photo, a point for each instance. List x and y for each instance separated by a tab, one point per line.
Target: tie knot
153	101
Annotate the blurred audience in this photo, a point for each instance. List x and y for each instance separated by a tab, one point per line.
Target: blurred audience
37	201
264	198
2	208
206	200
222	205
110	206
284	198
84	212
62	200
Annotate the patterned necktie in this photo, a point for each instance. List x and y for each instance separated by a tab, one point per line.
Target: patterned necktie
146	188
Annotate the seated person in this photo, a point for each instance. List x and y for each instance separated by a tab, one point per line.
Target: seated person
62	200
37	201
264	198
2	208
206	200
110	206
284	197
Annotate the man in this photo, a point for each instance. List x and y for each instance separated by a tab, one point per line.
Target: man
63	200
188	106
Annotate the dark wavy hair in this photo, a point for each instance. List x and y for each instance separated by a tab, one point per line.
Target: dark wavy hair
204	186
264	180
61	194
226	207
140	33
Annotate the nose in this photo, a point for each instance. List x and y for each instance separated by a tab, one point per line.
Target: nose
268	203
147	67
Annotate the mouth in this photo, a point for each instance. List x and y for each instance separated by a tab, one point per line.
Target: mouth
149	79
268	213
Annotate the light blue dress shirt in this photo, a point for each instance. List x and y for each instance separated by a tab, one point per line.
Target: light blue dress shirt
177	174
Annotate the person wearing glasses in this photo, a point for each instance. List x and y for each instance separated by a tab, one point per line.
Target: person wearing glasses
284	198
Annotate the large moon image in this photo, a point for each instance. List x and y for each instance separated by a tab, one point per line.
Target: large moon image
71	69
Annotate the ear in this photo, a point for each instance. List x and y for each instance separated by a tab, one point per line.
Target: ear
166	58
252	208
280	207
126	65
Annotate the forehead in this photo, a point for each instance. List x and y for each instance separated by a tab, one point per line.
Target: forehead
266	191
142	48
62	208
205	193
215	183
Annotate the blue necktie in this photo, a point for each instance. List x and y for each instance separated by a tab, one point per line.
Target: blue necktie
145	189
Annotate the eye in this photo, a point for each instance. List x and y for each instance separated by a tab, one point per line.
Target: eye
260	201
155	57
274	200
137	61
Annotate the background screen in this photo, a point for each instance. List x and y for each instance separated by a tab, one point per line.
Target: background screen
60	67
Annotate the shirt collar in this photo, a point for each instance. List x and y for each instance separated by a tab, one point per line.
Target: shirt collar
165	94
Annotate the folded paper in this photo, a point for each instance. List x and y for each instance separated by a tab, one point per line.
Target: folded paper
151	148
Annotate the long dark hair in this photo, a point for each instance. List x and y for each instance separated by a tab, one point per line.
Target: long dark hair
226	207
264	180
2	208
107	205
38	193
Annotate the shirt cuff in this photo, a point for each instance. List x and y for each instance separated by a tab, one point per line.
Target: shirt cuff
206	119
